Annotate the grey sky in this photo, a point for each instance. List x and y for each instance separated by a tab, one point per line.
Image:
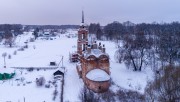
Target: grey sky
102	11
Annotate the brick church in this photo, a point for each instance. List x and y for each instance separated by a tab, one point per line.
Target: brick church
93	66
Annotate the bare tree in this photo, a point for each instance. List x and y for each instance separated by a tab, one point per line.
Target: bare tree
9	41
129	96
134	51
165	87
87	95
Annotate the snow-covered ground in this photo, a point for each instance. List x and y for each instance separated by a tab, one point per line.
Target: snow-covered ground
40	53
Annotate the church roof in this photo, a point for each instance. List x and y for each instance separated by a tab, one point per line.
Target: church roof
97	75
95	52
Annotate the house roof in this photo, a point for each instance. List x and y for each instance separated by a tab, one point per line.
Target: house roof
58	72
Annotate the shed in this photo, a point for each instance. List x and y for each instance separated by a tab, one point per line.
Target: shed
58	73
52	63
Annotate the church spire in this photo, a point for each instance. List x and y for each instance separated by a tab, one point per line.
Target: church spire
82	16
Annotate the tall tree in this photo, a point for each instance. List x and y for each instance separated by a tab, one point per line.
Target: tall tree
35	33
134	51
9	38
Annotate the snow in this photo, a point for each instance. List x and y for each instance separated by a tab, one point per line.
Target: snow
97	75
95	52
126	78
40	53
6	70
45	51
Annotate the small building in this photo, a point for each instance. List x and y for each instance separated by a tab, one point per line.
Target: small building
58	74
46	35
53	64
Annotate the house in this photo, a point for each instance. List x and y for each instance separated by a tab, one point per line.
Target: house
58	74
46	35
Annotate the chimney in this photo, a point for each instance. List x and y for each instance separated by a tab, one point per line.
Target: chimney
88	49
103	49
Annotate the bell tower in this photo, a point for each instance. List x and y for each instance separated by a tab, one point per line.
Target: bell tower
82	37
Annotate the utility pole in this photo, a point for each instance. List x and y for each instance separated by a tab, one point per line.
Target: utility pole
62	61
62	85
4	55
24	99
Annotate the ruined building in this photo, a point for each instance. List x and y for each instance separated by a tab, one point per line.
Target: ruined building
93	66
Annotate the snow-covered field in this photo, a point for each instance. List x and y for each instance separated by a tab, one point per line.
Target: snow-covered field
39	54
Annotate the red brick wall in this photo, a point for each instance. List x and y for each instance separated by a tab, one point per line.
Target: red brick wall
98	87
88	65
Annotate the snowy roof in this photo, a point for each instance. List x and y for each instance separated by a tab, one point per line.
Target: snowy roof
58	72
97	75
82	24
6	70
96	52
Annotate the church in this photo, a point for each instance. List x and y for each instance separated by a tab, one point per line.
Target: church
93	65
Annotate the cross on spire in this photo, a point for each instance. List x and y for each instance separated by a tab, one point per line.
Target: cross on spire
82	16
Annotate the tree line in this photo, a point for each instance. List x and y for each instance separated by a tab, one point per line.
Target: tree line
142	44
41	27
9	32
8	29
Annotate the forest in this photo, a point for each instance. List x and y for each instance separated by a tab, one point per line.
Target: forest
147	45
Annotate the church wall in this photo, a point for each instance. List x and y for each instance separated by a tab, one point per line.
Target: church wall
90	63
98	87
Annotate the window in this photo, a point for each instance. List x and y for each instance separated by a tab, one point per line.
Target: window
99	88
83	36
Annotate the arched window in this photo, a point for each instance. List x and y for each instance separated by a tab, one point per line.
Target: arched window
104	59
99	88
92	61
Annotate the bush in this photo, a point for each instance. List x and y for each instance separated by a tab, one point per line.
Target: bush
87	95
21	49
40	81
165	87
9	56
31	40
108	96
55	94
15	53
47	86
130	96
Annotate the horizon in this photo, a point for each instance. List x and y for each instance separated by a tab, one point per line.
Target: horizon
154	22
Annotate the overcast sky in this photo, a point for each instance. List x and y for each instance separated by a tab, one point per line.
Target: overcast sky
102	11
